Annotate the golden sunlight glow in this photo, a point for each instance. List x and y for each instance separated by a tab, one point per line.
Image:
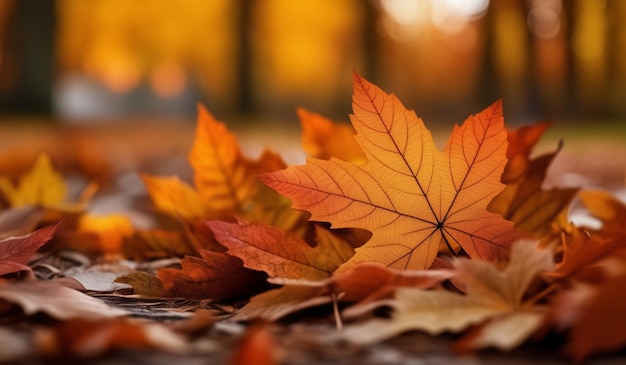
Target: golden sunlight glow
298	50
406	19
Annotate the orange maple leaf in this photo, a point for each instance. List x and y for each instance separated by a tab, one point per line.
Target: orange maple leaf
214	275
411	196
592	255
220	171
283	256
521	144
524	202
224	179
323	139
224	182
266	248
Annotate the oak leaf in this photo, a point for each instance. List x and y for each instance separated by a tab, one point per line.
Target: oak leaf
16	251
491	296
411	196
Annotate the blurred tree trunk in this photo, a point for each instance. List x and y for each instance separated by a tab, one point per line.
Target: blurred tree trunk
29	57
617	58
371	41
488	84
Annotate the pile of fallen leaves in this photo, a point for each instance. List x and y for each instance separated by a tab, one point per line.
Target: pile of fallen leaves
379	231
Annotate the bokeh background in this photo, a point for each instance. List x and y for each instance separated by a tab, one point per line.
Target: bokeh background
85	61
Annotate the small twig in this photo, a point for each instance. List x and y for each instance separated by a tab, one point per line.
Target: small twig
542	294
338	321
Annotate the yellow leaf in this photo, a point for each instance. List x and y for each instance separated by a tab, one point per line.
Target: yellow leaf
175	197
111	230
40	186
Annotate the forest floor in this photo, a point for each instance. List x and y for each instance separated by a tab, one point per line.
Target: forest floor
592	157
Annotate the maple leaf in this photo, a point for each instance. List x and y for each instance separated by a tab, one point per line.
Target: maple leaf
266	248
16	251
221	173
523	201
224	179
41	186
157	243
411	196
214	275
521	144
173	196
589	257
592	255
490	295
323	139
224	182
271	250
